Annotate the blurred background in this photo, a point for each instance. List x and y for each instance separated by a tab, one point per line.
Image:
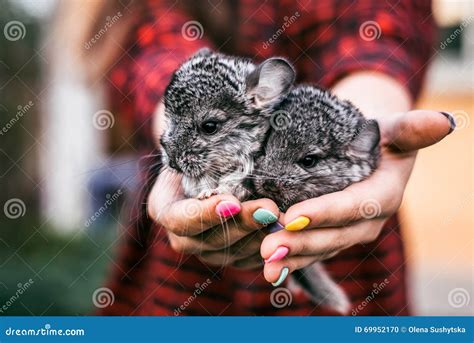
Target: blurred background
67	164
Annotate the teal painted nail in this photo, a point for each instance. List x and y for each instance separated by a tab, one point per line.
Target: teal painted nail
283	274
264	216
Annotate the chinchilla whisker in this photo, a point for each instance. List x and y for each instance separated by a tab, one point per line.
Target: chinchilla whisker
263	177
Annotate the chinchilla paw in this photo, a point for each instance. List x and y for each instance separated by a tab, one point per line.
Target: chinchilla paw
206	194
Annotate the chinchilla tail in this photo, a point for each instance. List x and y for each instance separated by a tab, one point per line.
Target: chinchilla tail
323	291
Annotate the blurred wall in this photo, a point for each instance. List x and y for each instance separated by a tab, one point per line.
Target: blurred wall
437	215
438	209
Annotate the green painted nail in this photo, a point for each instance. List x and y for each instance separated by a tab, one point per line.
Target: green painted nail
283	274
264	216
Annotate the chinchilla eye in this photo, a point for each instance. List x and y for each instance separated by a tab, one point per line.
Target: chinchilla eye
308	161
209	127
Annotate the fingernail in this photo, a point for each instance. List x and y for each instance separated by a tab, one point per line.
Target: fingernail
298	224
264	216
452	121
283	274
227	208
279	254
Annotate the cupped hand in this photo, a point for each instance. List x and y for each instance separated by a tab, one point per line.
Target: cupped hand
319	228
220	230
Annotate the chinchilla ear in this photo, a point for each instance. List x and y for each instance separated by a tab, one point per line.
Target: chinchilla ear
203	52
367	139
271	79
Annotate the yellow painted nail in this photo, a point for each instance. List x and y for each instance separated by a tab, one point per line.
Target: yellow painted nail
298	224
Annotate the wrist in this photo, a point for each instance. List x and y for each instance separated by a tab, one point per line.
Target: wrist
375	94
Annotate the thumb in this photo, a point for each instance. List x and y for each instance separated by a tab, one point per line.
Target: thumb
415	130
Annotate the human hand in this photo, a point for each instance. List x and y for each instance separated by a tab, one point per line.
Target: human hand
357	213
219	230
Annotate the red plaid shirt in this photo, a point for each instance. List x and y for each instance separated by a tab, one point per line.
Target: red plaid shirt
326	40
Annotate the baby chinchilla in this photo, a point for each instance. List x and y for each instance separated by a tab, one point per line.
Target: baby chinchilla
217	109
324	145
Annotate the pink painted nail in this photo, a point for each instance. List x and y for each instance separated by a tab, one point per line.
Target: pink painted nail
227	208
279	254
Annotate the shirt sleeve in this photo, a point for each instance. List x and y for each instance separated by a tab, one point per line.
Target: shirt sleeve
160	43
342	37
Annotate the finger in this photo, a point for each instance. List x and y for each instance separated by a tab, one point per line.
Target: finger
268	213
245	247
251	262
190	217
273	271
222	236
320	242
241	225
166	190
377	196
197	245
183	244
220	245
415	130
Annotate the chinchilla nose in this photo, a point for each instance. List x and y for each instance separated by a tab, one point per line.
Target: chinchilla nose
269	186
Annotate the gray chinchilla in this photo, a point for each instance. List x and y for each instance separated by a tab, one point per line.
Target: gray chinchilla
319	145
217	109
